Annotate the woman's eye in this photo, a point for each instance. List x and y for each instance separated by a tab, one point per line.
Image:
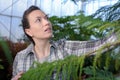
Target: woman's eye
46	17
38	20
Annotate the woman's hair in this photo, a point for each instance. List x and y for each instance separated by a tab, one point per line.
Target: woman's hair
25	22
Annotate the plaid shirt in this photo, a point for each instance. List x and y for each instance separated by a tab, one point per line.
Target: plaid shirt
58	50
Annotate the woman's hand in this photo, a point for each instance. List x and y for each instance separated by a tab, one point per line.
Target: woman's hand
18	76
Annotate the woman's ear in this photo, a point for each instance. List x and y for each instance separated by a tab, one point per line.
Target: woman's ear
28	32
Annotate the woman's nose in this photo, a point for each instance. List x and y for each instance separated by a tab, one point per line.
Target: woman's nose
46	22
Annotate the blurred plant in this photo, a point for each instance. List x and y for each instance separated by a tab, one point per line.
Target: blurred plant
109	13
1	66
73	27
81	27
8	50
73	67
89	66
6	60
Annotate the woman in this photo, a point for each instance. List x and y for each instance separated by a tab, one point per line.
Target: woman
38	28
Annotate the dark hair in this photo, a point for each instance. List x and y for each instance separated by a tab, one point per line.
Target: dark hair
25	22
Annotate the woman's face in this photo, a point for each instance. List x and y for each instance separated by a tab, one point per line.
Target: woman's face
40	26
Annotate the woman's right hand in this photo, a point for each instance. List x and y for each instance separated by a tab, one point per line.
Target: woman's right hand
18	76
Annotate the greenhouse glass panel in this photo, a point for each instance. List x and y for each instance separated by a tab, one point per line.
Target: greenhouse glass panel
4	26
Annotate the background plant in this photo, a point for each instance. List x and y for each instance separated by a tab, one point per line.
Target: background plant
81	27
8	50
96	67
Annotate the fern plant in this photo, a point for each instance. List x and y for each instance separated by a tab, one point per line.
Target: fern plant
89	66
76	67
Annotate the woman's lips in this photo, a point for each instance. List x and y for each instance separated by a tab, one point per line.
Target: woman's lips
48	30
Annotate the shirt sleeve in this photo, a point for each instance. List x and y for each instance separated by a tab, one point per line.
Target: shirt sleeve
15	64
83	47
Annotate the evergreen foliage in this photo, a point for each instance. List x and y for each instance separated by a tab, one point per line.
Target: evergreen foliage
88	66
100	66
